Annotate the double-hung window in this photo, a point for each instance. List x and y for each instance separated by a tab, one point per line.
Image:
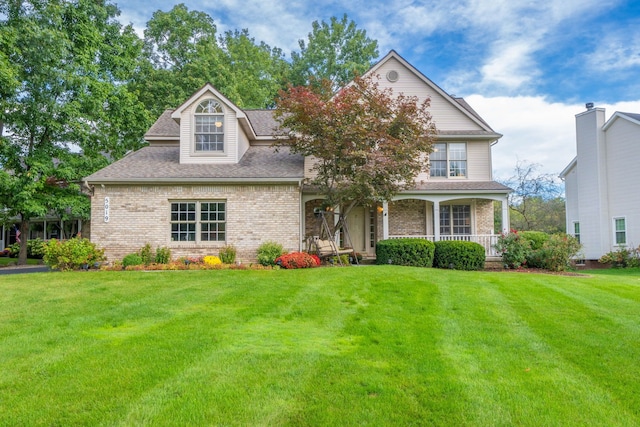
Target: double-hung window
455	220
209	127
198	221
448	160
620	230
576	230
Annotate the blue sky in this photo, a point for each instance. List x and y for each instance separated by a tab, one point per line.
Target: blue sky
528	67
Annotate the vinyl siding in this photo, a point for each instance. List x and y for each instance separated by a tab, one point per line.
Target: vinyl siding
230	137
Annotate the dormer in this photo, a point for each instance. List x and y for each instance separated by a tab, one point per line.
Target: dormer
212	128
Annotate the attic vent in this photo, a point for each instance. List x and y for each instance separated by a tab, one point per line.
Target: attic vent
393	76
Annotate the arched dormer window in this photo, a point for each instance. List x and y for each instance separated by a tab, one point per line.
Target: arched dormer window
209	121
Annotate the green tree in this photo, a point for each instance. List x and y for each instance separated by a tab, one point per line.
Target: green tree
67	63
336	51
183	52
368	143
536	202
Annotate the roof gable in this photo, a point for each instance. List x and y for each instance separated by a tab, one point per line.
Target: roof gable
458	104
631	117
200	93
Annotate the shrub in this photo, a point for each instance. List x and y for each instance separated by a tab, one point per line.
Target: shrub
211	260
132	259
228	254
343	259
557	251
514	249
536	239
71	254
147	254
407	251
296	260
35	249
458	255
622	257
268	252
163	255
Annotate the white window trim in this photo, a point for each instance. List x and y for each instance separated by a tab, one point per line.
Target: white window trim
573	230
448	161
202	153
614	241
198	222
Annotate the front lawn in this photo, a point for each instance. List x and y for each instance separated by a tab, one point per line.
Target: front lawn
374	345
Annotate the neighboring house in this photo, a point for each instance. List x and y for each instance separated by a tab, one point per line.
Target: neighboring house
601	183
210	177
50	227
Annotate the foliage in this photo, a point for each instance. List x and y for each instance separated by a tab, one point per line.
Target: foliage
343	259
336	51
132	259
66	63
407	251
514	249
182	52
147	254
536	202
296	260
163	255
268	252
536	239
71	254
368	143
622	257
35	249
556	253
211	260
228	254
458	255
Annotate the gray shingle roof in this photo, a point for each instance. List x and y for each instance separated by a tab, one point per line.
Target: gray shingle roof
634	116
262	121
165	126
162	164
460	185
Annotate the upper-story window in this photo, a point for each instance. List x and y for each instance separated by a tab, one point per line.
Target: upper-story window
448	160
209	127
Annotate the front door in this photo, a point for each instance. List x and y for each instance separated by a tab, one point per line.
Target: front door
357	229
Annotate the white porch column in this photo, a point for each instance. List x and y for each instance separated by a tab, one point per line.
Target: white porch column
385	220
436	221
505	216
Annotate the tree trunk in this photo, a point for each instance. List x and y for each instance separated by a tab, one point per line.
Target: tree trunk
24	233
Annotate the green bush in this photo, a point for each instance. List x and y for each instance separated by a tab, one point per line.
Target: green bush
228	254
147	254
623	257
163	255
268	252
35	249
513	249
132	259
72	254
536	239
408	251
458	255
557	252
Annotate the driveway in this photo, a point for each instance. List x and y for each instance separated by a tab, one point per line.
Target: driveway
23	269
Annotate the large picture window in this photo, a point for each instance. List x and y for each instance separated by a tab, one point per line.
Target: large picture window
455	220
198	221
448	160
209	127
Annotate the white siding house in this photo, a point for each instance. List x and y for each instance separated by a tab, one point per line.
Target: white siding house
602	184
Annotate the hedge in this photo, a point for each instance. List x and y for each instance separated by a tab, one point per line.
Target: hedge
459	255
407	251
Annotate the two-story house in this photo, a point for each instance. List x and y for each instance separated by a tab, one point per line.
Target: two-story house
601	182
210	177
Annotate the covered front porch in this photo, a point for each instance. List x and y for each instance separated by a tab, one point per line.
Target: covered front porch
426	216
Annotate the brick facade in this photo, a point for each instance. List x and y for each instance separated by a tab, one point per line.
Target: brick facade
254	214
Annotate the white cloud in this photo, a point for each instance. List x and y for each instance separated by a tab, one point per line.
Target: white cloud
535	130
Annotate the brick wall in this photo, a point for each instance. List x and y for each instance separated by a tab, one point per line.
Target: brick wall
140	214
484	216
407	217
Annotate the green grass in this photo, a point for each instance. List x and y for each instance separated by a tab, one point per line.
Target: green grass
376	345
6	261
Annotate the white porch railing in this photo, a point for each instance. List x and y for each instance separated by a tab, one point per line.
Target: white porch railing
486	240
